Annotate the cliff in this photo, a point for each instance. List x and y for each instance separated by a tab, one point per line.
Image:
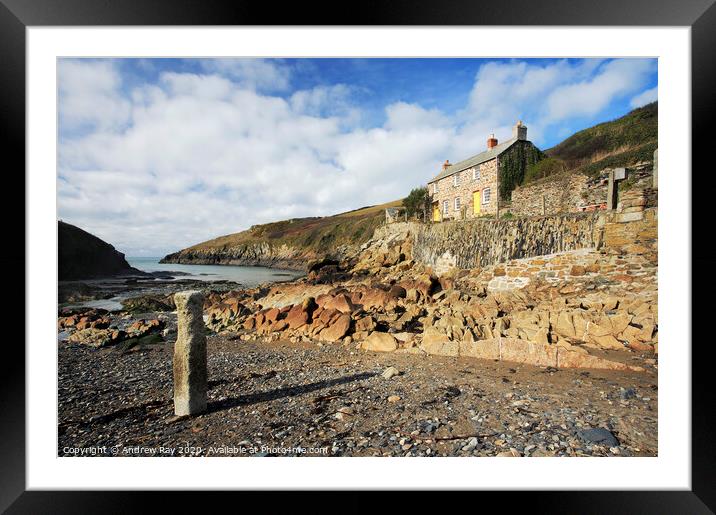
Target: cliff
82	255
290	244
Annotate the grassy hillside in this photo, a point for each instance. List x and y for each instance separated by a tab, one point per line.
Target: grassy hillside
320	234
625	141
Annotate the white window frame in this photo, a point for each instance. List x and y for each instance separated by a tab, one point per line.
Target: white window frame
456	180
435	187
475	174
456	202
486	195
446	207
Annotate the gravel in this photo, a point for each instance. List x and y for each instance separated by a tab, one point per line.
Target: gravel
299	399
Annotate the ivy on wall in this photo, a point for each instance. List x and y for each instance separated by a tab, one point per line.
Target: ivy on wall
513	164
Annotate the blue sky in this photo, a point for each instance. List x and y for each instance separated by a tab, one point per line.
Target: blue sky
158	154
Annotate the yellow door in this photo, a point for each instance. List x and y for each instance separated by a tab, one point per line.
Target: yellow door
476	202
436	213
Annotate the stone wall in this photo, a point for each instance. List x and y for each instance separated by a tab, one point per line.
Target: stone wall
482	242
633	227
573	192
476	178
566	193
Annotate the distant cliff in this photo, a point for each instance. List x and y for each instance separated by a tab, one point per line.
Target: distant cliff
82	255
290	244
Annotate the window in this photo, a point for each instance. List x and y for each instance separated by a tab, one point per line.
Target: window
455	179
475	174
486	196
435	187
446	207
457	203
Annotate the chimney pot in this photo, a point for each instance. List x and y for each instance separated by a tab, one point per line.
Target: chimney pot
491	141
446	164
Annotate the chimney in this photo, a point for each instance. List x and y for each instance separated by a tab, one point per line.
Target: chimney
491	141
446	164
519	131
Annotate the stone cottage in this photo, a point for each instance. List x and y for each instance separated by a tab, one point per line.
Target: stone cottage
474	186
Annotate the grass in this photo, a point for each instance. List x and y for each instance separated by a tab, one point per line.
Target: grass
625	141
321	234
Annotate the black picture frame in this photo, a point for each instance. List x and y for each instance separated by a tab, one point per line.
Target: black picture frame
700	15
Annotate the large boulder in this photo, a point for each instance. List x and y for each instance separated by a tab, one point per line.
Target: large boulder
337	330
380	342
96	337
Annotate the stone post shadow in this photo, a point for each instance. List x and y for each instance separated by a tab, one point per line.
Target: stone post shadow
189	362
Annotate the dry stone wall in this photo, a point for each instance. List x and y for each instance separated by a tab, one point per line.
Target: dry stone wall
574	192
565	194
482	242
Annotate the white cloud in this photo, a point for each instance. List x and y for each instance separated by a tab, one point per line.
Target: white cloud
545	94
259	74
645	97
198	155
616	79
89	95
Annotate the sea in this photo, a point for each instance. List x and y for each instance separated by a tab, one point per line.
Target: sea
247	276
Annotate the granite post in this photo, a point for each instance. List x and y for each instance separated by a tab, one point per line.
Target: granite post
190	375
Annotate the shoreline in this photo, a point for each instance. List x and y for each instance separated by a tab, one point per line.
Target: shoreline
291	265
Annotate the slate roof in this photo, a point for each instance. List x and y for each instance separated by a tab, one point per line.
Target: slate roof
474	160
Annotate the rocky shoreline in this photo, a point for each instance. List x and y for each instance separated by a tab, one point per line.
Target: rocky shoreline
533	357
263	254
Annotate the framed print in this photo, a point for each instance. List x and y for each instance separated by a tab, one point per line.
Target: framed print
386	256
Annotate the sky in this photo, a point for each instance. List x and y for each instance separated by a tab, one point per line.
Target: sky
155	155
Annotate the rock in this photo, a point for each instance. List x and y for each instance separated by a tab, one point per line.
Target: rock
95	337
366	323
375	298
148	303
309	305
564	325
599	435
297	316
393	398
315	266
606	342
390	372
341	303
271	315
483	349
397	291
512	453
337	330
521	351
627	393
379	342
438	343
143	327
571	359
577	270
471	445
